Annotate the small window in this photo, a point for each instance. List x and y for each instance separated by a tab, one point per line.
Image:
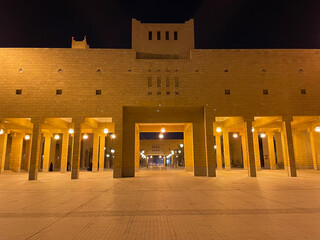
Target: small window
167	82
177	93
176	82
167	35
98	92
265	91
227	92
303	91
158	35
149	93
18	91
150	35
59	92
158	81
149	81
175	35
158	93
167	93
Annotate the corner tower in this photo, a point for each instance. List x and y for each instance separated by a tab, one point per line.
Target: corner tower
157	40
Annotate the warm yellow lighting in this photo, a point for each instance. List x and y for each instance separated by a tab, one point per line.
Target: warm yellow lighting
1	131
85	136
317	129
262	135
218	130
235	135
160	135
252	129
179	151
27	137
56	137
112	151
181	145
106	131
172	152
150	156
108	155
113	136
215	146
71	131
163	130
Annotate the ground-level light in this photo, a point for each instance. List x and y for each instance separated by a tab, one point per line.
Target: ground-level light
181	145
317	129
71	131
56	137
106	131
218	130
160	135
85	136
27	137
262	135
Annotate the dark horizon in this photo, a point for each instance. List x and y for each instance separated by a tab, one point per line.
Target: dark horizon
230	24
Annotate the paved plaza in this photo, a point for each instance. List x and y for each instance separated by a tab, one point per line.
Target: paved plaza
161	204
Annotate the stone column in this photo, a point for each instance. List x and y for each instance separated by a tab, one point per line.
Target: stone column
102	152
27	156
316	165
64	151
188	148
3	148
226	150
291	161
256	150
16	152
76	149
209	143
199	149
284	147
120	164
251	162
35	149
244	150
272	156
95	150
46	152
137	148
218	151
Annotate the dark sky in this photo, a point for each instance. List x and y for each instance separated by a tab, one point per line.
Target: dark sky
107	24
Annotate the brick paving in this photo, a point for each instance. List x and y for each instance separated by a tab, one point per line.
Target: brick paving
161	204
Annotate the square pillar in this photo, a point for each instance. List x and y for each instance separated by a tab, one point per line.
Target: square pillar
209	143
291	158
46	152
35	149
272	156
3	148
123	161
218	151
251	153
27	156
199	149
95	149
256	150
244	150
76	150
188	148
315	155
64	151
16	152
102	152
226	150
137	148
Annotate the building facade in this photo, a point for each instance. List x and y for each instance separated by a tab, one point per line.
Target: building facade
267	97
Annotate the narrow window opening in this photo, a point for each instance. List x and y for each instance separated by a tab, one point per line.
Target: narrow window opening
167	93
150	35
149	82
158	35
167	35
59	92
303	91
176	82
167	82
98	92
265	91
227	92
175	35
18	91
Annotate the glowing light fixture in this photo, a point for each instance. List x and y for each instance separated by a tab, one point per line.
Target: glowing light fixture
1	131
161	135
181	145
235	135
252	129
71	131
27	137
56	137
262	135
150	156
113	136
108	155
172	152
215	146
85	136
317	129
142	151
112	151
179	151
218	130
163	130
106	131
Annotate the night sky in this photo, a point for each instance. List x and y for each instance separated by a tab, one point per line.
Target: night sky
107	24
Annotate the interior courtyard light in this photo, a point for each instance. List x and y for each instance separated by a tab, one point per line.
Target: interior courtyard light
161	135
317	129
179	151
27	137
172	151
252	129
85	136
1	131
215	146
163	130
235	135
181	145
106	131
263	135
113	136
56	137
112	151
71	131
218	130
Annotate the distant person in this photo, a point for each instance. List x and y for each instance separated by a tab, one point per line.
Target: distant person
68	167
51	167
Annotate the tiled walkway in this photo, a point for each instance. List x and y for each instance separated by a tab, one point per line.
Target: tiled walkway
161	204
